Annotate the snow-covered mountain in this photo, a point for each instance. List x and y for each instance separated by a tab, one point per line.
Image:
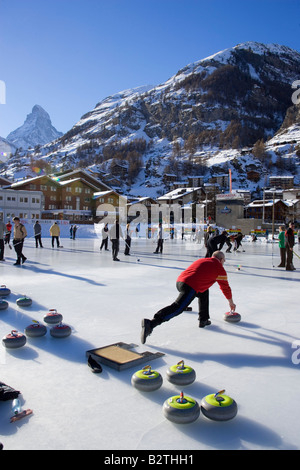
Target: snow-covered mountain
203	120
36	130
6	148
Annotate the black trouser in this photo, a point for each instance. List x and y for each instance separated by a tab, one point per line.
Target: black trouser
115	247
210	249
289	258
38	240
55	237
229	247
104	243
160	245
1	249
282	257
18	246
185	297
127	245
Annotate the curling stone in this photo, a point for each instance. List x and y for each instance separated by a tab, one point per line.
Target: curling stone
4	291
219	407
181	409
147	380
60	331
232	317
180	374
53	317
14	340
3	304
24	301
35	330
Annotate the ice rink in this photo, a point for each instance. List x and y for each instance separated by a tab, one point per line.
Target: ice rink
257	361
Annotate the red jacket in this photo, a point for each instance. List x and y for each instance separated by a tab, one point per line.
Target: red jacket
203	273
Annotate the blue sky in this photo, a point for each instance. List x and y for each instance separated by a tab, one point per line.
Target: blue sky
67	55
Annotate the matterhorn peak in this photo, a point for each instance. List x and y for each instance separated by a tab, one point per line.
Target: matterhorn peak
36	130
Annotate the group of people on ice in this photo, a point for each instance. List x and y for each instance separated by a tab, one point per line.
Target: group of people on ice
20	233
114	233
286	240
216	241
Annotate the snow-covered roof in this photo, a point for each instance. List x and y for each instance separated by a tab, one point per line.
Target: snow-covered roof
266	203
106	193
30	180
176	193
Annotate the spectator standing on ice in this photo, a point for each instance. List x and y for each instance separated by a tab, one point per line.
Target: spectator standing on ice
281	243
160	239
207	235
289	245
115	233
55	233
2	234
199	235
74	231
104	233
8	233
195	281
38	234
127	241
20	233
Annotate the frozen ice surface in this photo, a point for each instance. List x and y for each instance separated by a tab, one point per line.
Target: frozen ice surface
256	361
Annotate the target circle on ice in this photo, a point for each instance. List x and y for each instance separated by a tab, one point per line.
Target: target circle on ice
218	406
24	301
14	340
60	331
181	409
181	374
4	291
35	330
53	317
146	379
232	317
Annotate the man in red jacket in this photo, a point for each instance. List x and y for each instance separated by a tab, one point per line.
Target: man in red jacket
194	282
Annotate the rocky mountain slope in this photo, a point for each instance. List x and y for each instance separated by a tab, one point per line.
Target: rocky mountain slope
204	120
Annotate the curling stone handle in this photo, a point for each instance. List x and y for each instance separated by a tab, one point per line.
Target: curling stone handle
147	370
